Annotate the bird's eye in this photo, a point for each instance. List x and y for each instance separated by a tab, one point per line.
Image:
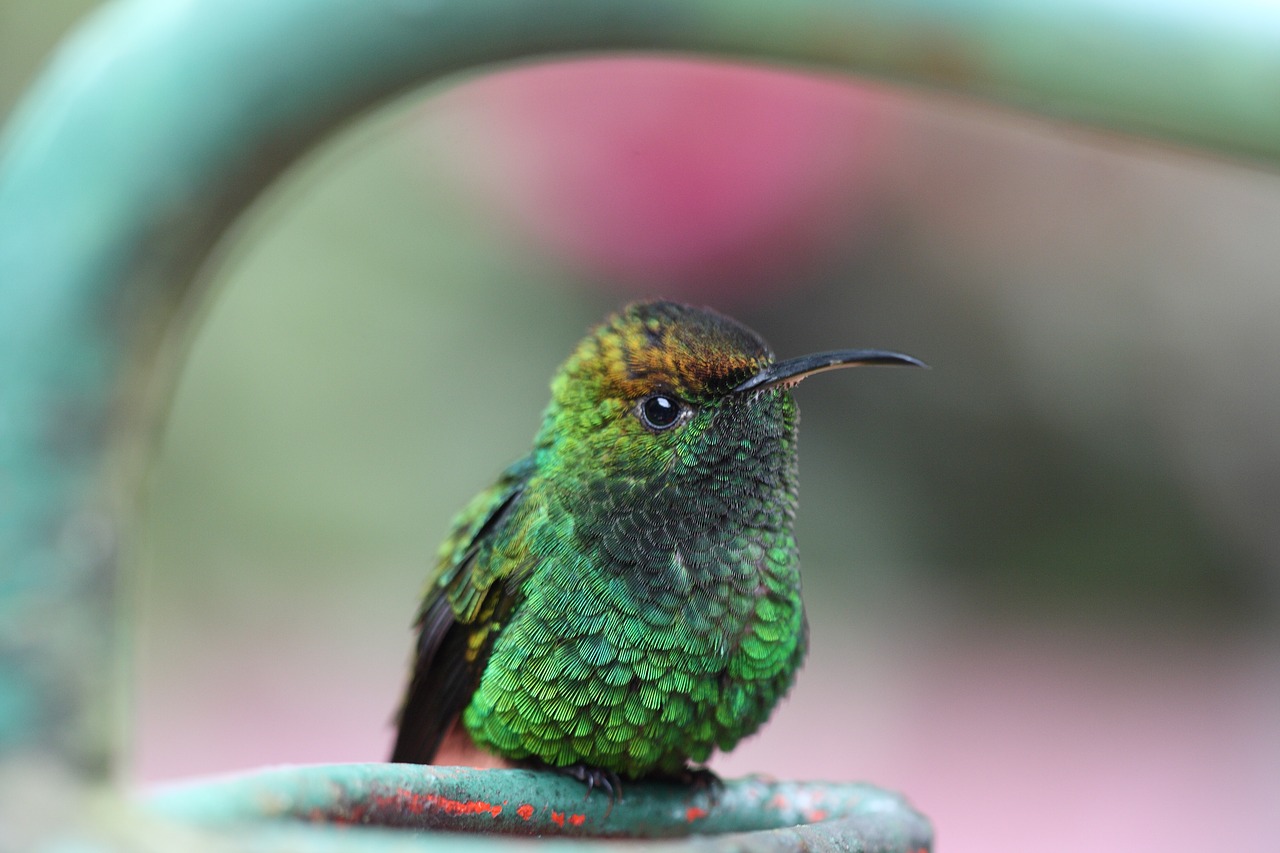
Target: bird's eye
659	412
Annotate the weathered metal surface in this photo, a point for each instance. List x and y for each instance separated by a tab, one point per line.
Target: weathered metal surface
523	802
750	813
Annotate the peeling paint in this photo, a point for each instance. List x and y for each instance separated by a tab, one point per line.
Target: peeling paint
416	803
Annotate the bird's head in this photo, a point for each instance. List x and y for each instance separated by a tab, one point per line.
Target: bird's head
661	389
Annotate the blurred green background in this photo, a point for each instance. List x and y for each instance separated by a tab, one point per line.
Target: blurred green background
1043	577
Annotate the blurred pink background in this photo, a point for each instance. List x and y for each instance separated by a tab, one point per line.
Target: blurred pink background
699	181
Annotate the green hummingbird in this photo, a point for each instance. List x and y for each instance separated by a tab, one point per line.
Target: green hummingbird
626	598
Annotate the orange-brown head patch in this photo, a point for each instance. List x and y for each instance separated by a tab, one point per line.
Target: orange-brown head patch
694	353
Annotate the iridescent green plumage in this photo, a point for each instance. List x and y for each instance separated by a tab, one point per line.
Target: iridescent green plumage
627	597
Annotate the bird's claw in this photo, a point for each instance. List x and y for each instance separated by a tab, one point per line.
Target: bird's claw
703	779
594	777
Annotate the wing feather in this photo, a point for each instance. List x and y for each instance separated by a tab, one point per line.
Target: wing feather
465	600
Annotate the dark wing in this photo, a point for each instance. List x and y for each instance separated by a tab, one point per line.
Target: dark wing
466	602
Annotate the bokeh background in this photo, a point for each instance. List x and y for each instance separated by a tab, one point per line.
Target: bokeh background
1044	577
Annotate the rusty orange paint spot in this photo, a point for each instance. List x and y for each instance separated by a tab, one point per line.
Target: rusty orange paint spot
694	813
417	803
557	817
525	811
577	819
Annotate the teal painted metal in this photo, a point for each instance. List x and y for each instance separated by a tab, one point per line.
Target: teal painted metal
159	122
523	802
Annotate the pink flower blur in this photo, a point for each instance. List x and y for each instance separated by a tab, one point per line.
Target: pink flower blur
700	180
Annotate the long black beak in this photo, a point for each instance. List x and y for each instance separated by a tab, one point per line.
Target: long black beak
793	370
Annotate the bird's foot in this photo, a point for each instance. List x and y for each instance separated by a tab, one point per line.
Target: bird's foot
592	777
701	779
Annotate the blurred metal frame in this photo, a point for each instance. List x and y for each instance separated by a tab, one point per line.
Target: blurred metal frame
159	122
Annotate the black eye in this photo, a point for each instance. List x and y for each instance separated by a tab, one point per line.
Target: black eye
659	412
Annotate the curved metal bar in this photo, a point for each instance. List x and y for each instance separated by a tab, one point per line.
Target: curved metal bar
522	802
160	121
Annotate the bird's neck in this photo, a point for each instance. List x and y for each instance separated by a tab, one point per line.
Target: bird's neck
703	518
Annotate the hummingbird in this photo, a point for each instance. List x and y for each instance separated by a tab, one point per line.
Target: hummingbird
625	599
